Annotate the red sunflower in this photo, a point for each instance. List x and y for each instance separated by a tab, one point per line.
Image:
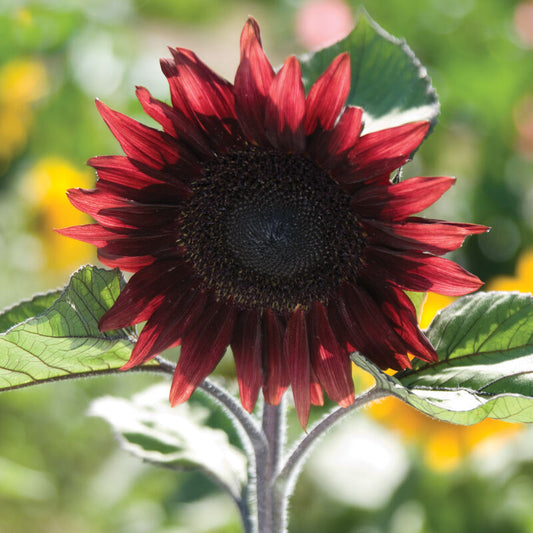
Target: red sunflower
262	219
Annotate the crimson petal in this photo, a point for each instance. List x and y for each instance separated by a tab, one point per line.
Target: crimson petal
296	350
175	315
252	83
202	348
401	312
285	108
422	234
399	200
139	179
158	245
128	264
422	272
140	142
91	233
383	151
143	294
315	390
368	330
328	94
247	350
277	377
202	96
330	361
329	147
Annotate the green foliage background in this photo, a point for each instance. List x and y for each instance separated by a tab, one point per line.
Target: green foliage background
61	471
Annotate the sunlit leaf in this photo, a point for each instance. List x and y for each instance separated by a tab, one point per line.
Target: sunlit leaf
174	437
485	368
388	81
63	341
27	309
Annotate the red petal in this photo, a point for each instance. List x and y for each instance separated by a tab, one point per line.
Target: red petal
252	83
330	361
156	109
296	350
317	398
276	372
327	96
115	211
421	234
144	293
156	246
285	108
203	90
367	329
175	315
127	264
247	351
347	131
383	151
91	233
139	182
329	147
401	312
192	139
202	348
144	144
137	215
202	96
422	272
397	201
92	201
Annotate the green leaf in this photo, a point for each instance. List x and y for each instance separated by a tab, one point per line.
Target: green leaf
27	309
64	341
387	80
174	437
485	369
418	299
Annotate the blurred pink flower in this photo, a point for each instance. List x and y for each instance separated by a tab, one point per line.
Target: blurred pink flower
523	22
320	22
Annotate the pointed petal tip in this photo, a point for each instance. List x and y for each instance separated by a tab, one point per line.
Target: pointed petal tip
100	105
248	404
180	392
251	20
303	416
346	402
250	32
293	62
106	323
63	231
129	365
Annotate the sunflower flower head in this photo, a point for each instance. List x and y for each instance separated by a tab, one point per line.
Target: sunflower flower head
264	219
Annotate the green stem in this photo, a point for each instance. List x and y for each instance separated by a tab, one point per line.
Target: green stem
270	515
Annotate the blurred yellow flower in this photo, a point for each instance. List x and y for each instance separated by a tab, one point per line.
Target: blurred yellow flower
22	82
444	445
522	281
44	189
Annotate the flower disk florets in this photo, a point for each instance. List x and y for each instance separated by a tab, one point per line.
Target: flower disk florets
264	219
270	230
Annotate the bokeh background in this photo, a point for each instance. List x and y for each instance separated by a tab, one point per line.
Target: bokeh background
387	470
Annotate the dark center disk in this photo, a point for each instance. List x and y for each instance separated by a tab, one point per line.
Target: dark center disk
276	236
269	229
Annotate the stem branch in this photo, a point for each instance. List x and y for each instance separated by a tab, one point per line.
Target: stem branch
289	473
